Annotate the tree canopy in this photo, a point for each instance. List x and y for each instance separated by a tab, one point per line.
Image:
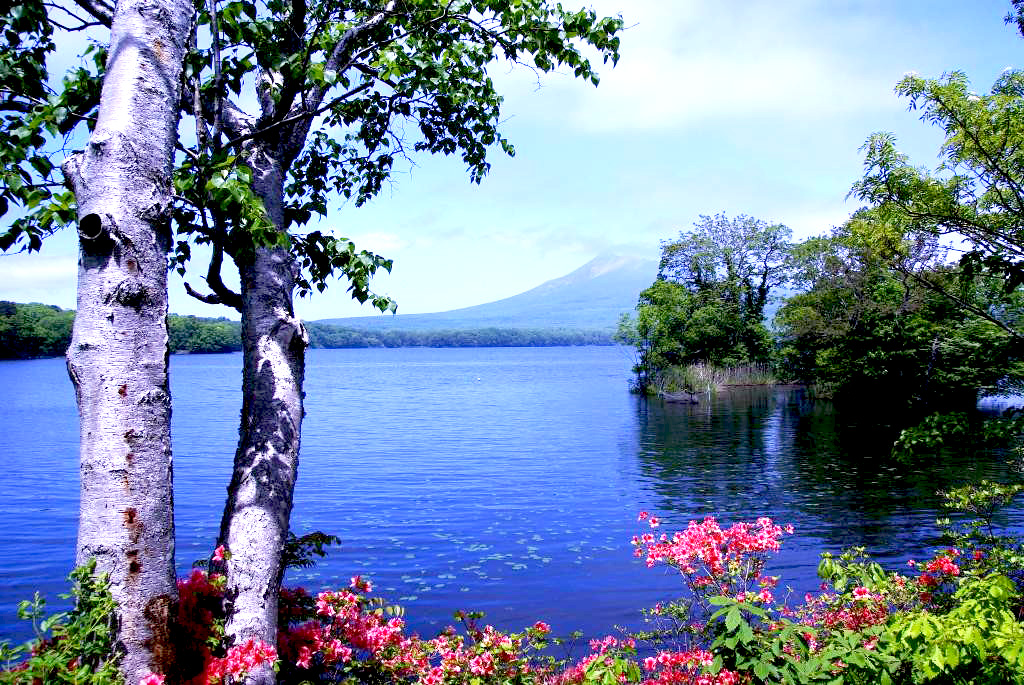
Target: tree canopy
974	200
708	302
875	337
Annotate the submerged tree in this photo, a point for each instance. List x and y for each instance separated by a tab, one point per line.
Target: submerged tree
342	91
117	360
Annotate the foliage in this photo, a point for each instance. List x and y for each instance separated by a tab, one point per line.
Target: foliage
707	304
956	621
28	331
977	192
348	91
872	335
953	618
957	429
74	647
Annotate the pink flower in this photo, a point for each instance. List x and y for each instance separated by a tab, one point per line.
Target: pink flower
861	592
642	516
542	627
360	585
654	522
218	554
152	679
765	595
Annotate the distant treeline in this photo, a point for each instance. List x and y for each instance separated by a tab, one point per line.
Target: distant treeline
28	331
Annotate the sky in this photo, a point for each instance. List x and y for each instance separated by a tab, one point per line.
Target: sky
716	106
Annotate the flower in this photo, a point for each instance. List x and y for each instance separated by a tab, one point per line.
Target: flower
152	679
861	592
359	585
218	554
542	627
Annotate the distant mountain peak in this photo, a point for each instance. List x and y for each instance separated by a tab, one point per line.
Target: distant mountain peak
591	297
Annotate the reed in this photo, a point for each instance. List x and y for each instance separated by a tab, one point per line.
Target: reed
703	378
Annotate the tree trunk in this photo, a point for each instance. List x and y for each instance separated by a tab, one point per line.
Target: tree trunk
256	517
118	355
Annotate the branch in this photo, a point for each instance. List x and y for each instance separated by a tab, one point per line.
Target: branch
218	96
102	11
252	132
340	59
960	302
297	29
221	293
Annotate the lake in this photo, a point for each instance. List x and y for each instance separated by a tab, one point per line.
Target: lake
506	480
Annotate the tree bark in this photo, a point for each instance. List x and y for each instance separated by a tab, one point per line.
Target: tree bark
118	354
256	517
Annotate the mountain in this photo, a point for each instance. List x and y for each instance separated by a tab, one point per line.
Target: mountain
591	297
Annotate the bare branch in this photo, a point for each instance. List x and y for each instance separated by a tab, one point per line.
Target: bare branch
99	10
221	293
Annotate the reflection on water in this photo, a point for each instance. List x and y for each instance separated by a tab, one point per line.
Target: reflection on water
506	480
754	451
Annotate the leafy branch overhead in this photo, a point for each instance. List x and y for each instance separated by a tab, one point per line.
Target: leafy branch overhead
977	192
342	92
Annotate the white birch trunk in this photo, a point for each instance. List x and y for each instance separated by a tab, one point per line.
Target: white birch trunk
118	355
256	516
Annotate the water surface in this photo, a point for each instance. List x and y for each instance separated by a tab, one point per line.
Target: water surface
501	479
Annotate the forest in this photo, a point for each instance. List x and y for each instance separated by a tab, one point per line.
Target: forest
30	331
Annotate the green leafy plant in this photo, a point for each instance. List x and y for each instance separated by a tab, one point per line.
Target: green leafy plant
72	647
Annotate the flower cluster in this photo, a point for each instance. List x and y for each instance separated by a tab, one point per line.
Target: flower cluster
710	552
672	668
348	633
238	661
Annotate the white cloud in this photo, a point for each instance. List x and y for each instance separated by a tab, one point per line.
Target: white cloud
689	62
39	278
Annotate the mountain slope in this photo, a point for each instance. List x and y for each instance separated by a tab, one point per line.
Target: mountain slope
591	297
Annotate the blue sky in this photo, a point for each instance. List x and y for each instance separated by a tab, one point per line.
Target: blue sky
733	106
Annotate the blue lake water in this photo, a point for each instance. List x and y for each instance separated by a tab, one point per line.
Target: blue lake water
501	479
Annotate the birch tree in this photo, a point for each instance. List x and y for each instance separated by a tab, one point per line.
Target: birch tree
117	360
343	91
294	104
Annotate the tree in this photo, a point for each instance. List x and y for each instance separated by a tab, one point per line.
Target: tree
976	194
707	304
335	86
118	354
872	336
